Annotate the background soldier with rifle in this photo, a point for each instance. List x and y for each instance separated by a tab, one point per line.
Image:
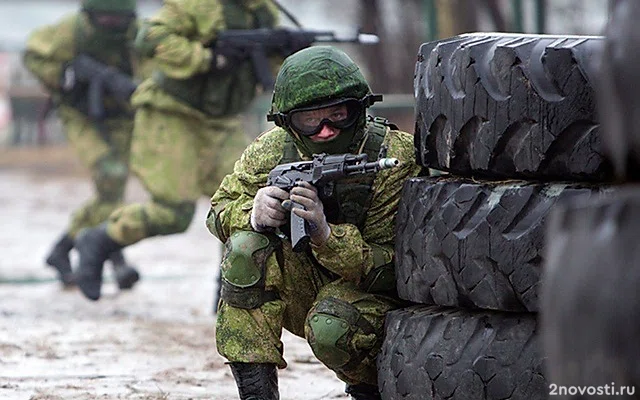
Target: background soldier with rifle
335	287
85	63
187	132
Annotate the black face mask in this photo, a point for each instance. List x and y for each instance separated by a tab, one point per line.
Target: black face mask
116	22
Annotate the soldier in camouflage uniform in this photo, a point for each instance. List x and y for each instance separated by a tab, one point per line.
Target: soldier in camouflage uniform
103	30
187	132
336	293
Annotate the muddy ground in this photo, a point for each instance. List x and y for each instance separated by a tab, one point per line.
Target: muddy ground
156	341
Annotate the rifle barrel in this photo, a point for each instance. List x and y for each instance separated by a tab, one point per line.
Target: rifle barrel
374	166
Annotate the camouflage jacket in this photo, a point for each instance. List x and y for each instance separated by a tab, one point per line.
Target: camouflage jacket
178	37
348	251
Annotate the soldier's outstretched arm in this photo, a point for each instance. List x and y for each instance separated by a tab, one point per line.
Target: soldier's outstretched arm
48	49
178	34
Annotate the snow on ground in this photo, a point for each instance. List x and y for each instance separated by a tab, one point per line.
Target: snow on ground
154	342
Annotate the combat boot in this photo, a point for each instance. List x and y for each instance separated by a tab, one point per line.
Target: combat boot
363	391
125	274
59	259
256	381
94	247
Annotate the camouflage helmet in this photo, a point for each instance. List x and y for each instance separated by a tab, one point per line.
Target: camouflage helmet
314	75
118	6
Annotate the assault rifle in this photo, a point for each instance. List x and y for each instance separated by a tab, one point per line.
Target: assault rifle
257	44
320	172
101	79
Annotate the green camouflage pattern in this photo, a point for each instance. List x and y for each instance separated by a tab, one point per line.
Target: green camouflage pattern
177	37
51	47
178	152
119	6
334	75
47	51
254	335
181	30
178	33
108	164
178	159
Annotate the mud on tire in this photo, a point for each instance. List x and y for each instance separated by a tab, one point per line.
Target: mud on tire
590	302
475	244
509	106
435	353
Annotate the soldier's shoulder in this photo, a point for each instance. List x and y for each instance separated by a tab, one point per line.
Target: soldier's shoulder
64	25
197	8
49	37
400	145
266	151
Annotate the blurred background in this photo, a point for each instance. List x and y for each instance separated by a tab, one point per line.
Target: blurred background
402	26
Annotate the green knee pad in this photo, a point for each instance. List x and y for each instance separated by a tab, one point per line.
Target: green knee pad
333	324
243	270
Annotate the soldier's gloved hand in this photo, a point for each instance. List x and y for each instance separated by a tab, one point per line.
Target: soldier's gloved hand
224	58
306	195
267	209
68	78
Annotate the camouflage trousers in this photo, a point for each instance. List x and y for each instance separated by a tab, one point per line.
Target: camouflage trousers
343	325
177	158
104	152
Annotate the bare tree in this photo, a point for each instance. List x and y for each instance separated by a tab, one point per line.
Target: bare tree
391	62
495	12
374	55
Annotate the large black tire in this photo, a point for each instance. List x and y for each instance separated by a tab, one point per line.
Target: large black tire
509	106
474	244
435	353
590	302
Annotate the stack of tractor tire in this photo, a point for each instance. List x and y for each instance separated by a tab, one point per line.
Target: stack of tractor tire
511	120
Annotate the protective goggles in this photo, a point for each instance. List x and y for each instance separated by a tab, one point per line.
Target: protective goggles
339	114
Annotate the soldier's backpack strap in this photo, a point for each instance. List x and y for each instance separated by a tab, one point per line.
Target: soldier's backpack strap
377	128
354	195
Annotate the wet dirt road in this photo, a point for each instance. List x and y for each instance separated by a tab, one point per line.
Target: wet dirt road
154	342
